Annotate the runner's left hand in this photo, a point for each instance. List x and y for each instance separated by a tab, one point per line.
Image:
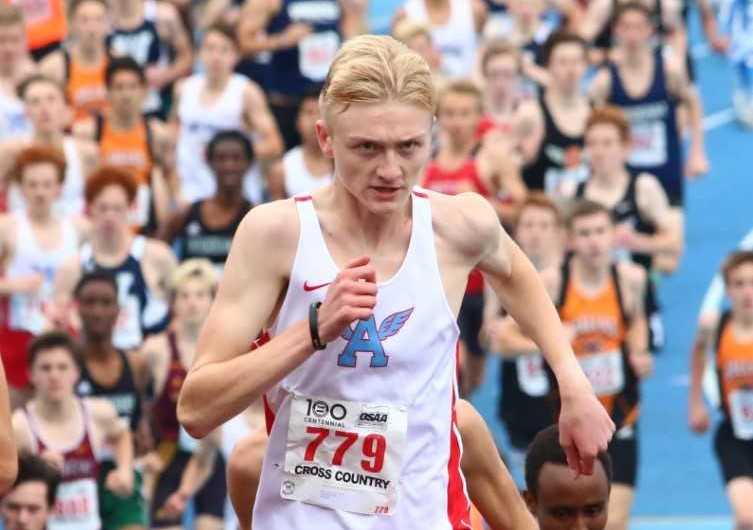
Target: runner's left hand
585	428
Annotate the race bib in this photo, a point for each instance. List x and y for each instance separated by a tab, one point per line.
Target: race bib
344	455
316	52
604	371
532	377
741	412
649	144
76	506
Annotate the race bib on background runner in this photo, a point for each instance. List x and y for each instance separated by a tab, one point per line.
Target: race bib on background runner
532	377
649	144
76	506
604	371
344	455
316	53
741	412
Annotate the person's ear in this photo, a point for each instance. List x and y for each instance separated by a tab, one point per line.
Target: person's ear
324	136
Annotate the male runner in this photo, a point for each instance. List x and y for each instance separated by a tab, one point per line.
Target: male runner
302	41
33	245
732	344
524	405
71	433
388	394
187	471
45	106
648	86
500	66
304	168
128	139
15	65
106	372
205	228
136	35
141	265
216	100
80	66
551	128
559	498
31	499
647	227
461	164
600	303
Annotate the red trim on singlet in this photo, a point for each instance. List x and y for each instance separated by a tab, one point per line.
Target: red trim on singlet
420	194
458	504
303	198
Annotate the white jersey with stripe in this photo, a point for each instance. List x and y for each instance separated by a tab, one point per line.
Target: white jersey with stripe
456	40
298	178
402	361
27	310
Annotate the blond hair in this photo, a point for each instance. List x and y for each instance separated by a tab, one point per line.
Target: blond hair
373	69
464	87
194	269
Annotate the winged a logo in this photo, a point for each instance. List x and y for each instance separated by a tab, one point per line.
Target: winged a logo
368	339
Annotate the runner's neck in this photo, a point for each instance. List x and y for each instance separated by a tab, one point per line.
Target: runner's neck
54	410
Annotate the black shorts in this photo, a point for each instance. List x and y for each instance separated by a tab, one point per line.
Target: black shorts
623	449
735	456
470	320
209	500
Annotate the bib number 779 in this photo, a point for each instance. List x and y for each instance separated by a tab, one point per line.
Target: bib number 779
373	448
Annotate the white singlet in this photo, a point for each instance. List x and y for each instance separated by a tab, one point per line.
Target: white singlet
198	123
363	434
13	120
27	310
298	179
456	40
71	201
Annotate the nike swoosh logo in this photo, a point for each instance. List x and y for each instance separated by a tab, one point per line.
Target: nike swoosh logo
308	288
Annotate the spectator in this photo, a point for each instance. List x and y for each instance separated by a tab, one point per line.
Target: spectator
30	502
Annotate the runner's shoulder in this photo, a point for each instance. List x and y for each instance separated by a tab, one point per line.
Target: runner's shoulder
272	226
466	220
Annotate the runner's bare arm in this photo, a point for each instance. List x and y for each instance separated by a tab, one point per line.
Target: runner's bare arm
21	432
633	282
490	485
585	427
53	66
698	414
653	206
594	19
686	92
159	264
65	281
174	33
85	129
600	87
353	22
528	124
116	434
8	451
508	340
268	142
195	475
255	277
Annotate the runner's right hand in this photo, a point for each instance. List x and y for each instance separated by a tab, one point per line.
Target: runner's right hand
698	418
54	458
351	296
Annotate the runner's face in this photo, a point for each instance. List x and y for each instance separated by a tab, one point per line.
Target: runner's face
25	507
218	54
109	211
46	108
89	23
380	151
501	75
308	115
192	302
569	502
633	29
592	239
98	309
40	186
459	116
126	93
740	289
606	149
229	163
54	374
537	233
567	64
12	44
